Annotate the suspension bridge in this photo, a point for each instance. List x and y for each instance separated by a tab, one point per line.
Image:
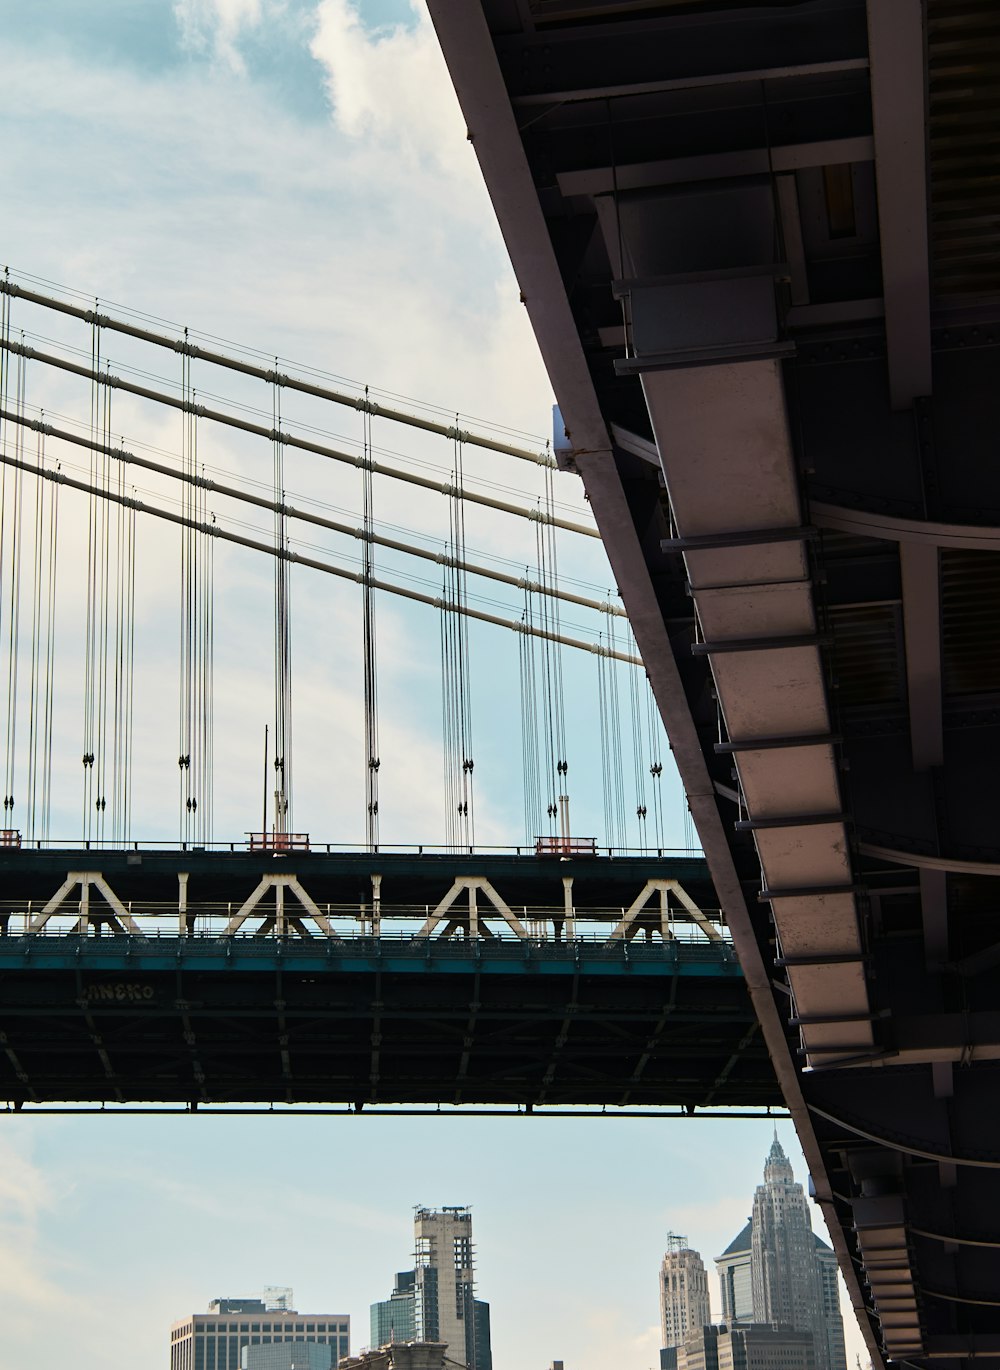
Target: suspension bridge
176	965
758	247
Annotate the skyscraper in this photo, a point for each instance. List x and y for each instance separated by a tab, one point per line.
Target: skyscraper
734	1278
683	1291
778	1272
435	1302
827	1260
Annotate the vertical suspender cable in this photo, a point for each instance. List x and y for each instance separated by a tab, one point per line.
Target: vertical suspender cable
638	751
654	733
603	711
557	770
548	684
463	664
611	759
531	778
456	702
91	595
372	762
186	798
207	714
107	600
14	603
5	325
562	762
128	689
196	637
451	746
50	650
199	651
615	728
282	639
120	637
37	632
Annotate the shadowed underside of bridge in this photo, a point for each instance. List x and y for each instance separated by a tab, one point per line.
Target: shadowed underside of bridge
375	1022
230	978
760	249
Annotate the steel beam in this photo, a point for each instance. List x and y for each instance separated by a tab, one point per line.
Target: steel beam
896	53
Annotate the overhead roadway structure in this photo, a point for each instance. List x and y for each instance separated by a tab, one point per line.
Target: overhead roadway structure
760	249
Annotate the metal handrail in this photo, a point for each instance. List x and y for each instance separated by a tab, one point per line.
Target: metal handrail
525	849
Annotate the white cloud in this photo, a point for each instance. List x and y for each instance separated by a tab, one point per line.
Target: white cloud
32	1282
216	26
391	86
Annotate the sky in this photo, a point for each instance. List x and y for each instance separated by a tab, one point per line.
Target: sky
294	175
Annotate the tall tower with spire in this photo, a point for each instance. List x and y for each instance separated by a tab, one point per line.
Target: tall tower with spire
787	1275
683	1292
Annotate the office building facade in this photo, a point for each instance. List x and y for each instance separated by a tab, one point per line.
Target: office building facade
756	1347
683	1292
289	1356
216	1340
735	1282
777	1272
435	1302
394	1319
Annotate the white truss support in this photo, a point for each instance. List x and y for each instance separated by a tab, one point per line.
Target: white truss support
435	916
119	916
182	902
472	884
47	910
707	926
309	904
281	919
376	905
569	922
506	913
124	917
630	926
249	904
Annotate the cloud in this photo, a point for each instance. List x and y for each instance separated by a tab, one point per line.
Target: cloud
214	27
391	86
32	1281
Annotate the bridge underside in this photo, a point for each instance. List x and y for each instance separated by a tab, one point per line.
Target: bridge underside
203	1020
759	247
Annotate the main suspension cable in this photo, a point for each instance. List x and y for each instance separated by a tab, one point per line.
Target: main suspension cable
215	530
288	439
274	376
123	454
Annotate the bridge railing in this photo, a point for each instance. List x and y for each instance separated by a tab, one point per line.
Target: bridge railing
399	923
554	849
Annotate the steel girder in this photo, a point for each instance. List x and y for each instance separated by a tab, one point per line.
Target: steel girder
759	248
215	1020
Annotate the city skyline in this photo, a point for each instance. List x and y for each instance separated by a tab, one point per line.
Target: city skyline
337	1243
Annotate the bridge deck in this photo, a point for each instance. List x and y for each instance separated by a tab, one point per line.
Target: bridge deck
365	1021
